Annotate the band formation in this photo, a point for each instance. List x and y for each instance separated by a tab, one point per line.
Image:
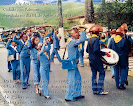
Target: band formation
31	47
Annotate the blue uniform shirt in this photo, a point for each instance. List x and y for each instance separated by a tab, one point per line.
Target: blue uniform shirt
25	50
94	52
72	46
122	49
55	42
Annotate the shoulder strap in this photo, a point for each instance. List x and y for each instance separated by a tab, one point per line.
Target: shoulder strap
104	44
21	48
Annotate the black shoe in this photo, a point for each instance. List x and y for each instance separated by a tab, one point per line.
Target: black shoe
113	77
122	87
80	97
24	87
27	84
47	97
71	100
126	82
10	70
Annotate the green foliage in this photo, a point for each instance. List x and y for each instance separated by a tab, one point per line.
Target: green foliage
115	14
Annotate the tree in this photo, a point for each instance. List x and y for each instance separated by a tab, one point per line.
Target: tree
60	14
89	11
115	14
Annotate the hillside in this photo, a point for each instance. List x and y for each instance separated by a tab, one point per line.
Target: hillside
16	16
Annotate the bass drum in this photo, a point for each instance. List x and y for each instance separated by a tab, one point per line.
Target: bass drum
110	61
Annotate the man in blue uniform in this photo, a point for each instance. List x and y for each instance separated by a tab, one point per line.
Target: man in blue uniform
129	41
113	34
120	46
55	47
73	91
93	48
24	59
14	50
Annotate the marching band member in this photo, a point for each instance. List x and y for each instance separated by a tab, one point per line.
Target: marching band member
9	62
55	47
93	48
129	41
24	59
103	41
14	50
33	46
113	34
44	67
120	46
73	91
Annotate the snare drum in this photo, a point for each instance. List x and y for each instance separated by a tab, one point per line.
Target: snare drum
110	61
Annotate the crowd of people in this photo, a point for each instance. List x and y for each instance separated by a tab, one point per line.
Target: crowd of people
29	46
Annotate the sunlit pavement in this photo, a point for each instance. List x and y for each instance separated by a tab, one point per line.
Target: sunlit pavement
12	94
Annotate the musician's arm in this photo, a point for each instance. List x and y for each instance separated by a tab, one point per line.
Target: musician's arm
68	34
110	43
15	40
8	45
44	48
82	38
96	48
29	44
50	34
130	39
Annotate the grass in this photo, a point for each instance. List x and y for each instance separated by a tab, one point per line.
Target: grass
47	14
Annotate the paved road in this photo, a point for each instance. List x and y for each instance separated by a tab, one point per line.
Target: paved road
12	94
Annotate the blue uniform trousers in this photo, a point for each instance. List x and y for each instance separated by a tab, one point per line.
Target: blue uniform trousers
112	70
25	70
120	75
15	69
73	84
81	57
44	72
36	71
55	52
9	65
97	87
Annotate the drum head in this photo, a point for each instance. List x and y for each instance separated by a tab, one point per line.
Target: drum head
110	61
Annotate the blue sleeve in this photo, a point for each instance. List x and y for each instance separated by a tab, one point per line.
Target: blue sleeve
82	38
8	45
16	41
130	39
29	44
110	44
107	39
2	35
68	35
44	49
96	48
50	34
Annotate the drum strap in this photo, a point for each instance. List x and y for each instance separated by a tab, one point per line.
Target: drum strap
103	45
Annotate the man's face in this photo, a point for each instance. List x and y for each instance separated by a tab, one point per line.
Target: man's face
25	38
13	43
14	34
32	30
75	34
